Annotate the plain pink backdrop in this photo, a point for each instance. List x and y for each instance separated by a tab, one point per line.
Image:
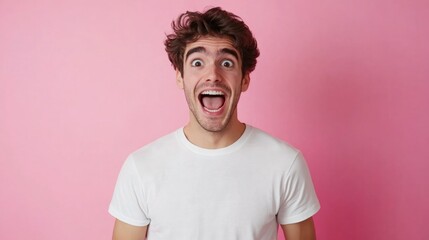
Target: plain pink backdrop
84	83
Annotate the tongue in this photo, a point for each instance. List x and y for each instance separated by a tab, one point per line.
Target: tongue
213	103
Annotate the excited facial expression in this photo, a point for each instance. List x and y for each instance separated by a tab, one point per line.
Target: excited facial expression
212	81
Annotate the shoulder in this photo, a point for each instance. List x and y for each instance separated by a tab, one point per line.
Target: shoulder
263	141
166	145
269	152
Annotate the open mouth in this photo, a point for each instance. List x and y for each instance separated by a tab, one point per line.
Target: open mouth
212	100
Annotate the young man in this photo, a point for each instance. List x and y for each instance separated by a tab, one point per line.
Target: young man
215	178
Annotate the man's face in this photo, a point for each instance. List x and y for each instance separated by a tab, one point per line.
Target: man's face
212	81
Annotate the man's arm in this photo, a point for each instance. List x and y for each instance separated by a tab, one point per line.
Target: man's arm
300	231
124	231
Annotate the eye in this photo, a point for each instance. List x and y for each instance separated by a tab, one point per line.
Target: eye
196	63
227	63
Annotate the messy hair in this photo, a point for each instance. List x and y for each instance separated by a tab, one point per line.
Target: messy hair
215	22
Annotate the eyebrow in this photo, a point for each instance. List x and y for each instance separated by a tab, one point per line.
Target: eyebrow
202	49
230	51
194	50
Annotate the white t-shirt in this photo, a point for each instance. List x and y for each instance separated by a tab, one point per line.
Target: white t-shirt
242	191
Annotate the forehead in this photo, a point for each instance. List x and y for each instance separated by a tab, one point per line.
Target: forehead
211	44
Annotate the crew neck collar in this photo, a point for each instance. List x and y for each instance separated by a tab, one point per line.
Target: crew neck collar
180	134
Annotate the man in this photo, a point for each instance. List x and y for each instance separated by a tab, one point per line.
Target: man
215	178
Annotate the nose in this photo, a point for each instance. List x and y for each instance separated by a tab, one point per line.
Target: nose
213	73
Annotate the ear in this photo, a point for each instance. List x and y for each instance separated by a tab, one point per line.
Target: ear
179	79
245	82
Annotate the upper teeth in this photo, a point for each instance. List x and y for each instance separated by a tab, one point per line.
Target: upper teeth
212	92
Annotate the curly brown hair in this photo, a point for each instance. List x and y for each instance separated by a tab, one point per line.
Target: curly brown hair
190	26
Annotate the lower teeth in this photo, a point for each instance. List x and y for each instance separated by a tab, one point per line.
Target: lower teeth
212	110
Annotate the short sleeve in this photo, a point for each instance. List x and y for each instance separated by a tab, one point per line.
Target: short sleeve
128	201
299	199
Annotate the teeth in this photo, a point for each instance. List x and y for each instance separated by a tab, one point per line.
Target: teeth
212	110
212	92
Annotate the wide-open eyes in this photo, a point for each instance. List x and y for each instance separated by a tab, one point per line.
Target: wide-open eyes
196	63
227	63
224	63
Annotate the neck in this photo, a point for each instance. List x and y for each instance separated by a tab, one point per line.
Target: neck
213	140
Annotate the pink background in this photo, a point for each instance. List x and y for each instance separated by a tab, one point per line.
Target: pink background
84	83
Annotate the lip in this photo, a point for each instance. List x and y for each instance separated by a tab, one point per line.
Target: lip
212	89
218	112
206	111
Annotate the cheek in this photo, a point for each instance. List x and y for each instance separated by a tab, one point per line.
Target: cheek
191	74
235	78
